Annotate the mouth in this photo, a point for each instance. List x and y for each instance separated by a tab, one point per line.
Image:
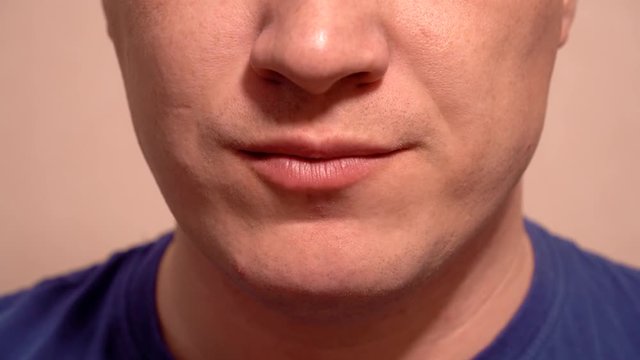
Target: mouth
304	166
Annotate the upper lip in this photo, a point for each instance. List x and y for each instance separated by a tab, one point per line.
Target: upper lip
318	149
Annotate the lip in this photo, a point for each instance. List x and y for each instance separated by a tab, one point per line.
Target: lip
318	150
299	165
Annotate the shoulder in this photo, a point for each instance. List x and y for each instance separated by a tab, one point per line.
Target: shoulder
70	314
606	281
598	308
584	268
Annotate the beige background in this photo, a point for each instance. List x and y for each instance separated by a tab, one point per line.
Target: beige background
74	187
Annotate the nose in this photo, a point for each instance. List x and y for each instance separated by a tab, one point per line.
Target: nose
316	44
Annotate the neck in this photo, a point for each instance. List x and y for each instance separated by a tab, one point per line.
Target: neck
452	314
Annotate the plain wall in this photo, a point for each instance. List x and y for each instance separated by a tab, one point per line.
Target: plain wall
74	186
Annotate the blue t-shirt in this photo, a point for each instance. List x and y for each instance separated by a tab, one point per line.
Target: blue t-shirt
579	306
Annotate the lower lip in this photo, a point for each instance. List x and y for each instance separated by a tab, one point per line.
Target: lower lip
300	174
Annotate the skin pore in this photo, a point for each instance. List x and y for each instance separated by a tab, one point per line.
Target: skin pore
427	256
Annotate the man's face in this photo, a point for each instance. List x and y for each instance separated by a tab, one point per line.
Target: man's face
435	106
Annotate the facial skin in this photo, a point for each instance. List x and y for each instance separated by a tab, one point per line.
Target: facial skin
459	88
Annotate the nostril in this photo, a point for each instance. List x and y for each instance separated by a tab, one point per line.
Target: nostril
359	76
363	79
271	76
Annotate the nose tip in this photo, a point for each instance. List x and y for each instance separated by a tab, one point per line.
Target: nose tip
320	53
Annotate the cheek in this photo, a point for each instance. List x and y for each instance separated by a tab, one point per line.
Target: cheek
486	68
179	60
183	54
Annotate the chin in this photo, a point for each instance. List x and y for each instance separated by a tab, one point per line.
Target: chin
329	291
325	270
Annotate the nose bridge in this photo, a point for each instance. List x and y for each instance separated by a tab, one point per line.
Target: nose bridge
317	43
